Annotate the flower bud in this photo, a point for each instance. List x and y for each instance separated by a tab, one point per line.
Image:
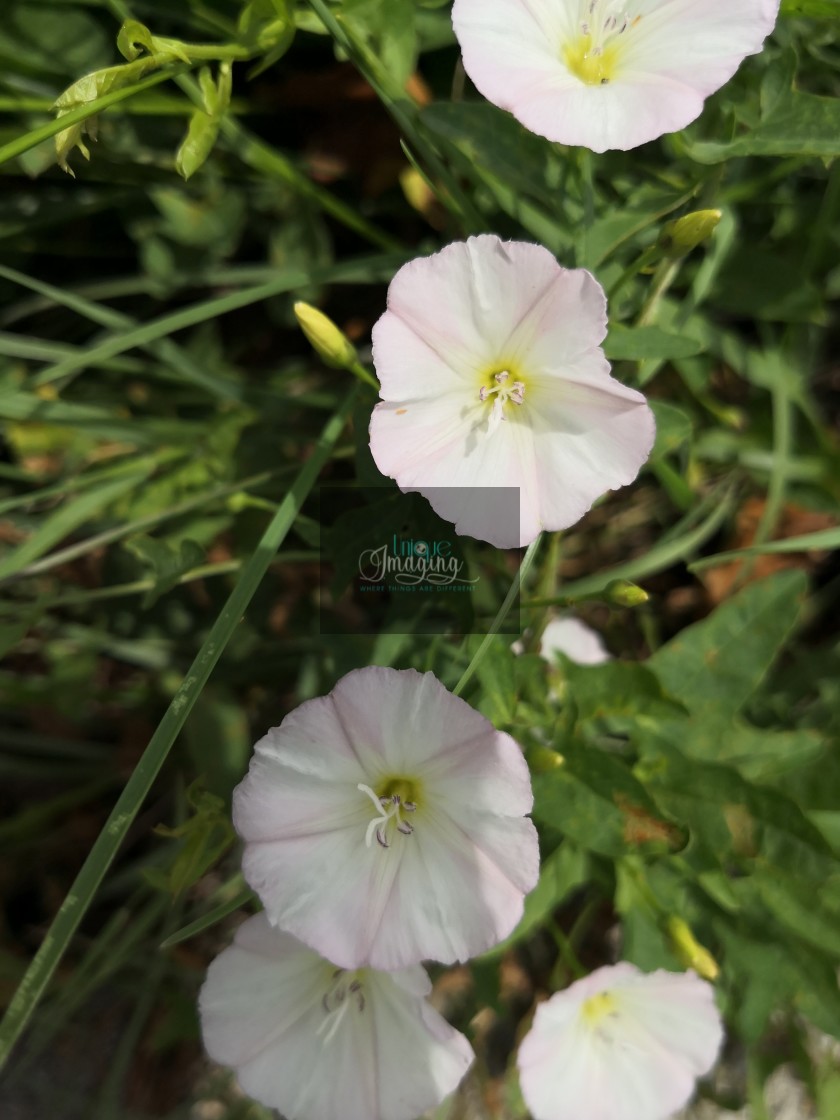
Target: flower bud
690	952
681	236
331	344
623	593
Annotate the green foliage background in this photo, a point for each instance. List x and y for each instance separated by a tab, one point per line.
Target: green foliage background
165	424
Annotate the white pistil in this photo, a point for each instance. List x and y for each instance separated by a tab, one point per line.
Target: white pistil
389	811
503	393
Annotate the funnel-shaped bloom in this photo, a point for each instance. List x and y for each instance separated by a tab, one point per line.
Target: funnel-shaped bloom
607	73
620	1045
579	642
492	376
384	824
318	1043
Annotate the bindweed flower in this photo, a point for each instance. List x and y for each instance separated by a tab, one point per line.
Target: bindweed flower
492	376
620	1045
384	824
319	1043
607	73
579	642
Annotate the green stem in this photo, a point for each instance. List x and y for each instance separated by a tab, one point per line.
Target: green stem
663	278
45	132
108	842
504	610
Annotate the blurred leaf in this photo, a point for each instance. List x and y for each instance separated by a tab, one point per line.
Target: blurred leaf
205	836
796	124
736	821
166	563
642	343
714	666
595	799
617	690
219	741
68	517
673	429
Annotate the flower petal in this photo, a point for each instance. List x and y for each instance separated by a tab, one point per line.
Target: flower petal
579	642
527	410
636	1057
308	832
265	1006
462	304
670	56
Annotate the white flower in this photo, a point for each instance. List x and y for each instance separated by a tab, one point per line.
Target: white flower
607	73
318	1043
579	642
492	376
620	1045
384	824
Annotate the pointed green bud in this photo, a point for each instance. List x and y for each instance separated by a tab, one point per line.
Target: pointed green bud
689	950
686	233
332	345
542	760
622	593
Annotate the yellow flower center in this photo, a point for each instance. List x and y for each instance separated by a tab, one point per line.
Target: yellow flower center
592	64
594	55
395	800
499	387
597	1008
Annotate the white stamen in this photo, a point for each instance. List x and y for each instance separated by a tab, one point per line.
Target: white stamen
502	394
602	21
336	1002
388	813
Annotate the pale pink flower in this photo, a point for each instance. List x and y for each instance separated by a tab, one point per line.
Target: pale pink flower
607	73
319	1043
493	376
384	824
579	642
620	1045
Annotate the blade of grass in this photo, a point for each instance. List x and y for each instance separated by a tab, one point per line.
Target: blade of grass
164	349
108	536
146	333
107	844
66	519
656	559
504	610
211	918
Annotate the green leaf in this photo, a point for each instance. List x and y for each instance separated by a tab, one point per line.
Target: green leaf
643	343
496	145
197	144
617	691
166	562
673	429
811	9
759	753
594	799
714	666
797	124
734	820
219	740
